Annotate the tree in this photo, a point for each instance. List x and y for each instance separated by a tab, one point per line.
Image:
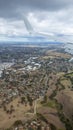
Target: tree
45	98
5	108
22	99
18	122
30	102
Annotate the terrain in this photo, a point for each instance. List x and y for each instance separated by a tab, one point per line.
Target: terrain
36	88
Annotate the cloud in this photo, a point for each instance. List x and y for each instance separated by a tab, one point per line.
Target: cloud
44	15
14	8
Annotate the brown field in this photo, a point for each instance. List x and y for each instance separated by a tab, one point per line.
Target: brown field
6	120
51	115
58	54
66	83
21	113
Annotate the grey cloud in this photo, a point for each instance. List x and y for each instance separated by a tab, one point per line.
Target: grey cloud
14	8
44	15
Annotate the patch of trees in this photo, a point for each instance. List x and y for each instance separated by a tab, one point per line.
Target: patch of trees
59	107
30	100
41	117
62	117
66	121
44	99
60	84
17	123
8	111
52	127
53	94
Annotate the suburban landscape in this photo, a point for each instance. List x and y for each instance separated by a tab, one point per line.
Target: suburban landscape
36	88
36	64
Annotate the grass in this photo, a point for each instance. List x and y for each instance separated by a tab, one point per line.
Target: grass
51	104
70	74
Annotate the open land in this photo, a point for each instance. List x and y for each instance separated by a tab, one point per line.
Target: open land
36	88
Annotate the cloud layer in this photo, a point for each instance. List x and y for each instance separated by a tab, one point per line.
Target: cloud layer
12	8
45	15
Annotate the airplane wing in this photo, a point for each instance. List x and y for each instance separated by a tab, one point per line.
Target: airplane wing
54	36
28	25
32	31
66	39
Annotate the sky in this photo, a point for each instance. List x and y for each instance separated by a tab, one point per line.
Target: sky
51	16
